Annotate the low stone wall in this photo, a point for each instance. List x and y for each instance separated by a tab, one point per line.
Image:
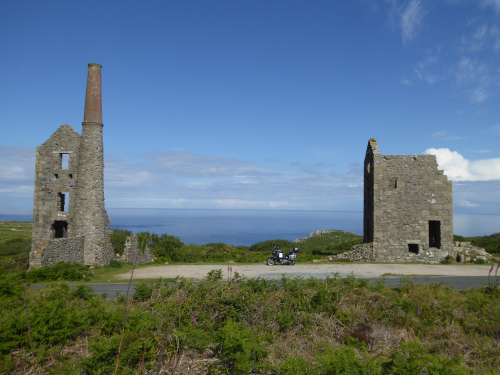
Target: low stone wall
106	253
131	251
69	250
465	251
359	253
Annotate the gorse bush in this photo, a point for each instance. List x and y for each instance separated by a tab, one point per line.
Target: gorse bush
59	271
339	325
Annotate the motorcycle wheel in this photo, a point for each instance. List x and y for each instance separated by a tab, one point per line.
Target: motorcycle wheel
270	261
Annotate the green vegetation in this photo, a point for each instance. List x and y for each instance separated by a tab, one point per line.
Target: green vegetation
118	238
15	238
14	229
489	243
59	271
294	326
331	243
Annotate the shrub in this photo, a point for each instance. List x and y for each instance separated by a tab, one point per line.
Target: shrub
269	245
142	292
239	346
214	275
115	264
59	271
118	238
447	260
15	246
84	292
163	245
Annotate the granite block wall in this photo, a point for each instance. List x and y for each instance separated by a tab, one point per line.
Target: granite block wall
408	207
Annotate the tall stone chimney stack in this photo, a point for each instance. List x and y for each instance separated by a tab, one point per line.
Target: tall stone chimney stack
91	219
93	96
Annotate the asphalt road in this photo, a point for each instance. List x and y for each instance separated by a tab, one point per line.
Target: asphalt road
455	282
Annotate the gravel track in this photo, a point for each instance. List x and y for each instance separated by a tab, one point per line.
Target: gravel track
198	272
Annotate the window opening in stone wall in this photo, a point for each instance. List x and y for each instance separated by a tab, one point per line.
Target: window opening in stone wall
395	183
64	161
70	175
413	159
63	202
413	248
435	234
60	229
56	176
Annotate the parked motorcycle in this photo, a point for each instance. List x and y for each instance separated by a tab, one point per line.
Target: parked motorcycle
277	256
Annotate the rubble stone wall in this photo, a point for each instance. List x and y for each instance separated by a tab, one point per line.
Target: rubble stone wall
131	251
408	207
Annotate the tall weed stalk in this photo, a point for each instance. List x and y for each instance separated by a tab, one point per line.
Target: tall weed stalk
28	323
168	333
141	245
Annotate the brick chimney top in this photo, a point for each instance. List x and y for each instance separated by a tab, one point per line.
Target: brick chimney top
93	99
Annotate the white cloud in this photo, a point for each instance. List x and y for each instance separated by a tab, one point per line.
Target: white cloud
468	204
411	18
494	3
458	168
189	180
17	163
468	70
445	135
422	70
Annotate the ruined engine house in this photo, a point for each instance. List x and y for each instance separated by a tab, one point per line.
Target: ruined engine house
70	222
408	207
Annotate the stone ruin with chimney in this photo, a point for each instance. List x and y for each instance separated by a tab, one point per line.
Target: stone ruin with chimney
70	223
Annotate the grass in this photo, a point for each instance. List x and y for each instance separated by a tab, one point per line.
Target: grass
14	229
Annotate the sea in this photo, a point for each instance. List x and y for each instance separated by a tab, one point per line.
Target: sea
246	227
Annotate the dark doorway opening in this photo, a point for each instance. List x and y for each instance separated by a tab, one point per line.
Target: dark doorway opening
435	234
60	229
413	248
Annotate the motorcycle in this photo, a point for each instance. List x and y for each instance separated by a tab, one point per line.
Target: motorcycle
277	256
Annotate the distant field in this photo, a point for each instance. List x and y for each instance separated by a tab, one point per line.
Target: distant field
14	229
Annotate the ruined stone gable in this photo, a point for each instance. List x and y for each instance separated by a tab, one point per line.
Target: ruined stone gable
408	207
69	220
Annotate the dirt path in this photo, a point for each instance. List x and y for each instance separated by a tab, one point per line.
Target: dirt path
198	272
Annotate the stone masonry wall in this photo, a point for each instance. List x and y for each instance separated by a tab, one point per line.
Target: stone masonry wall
465	252
408	204
131	251
81	182
52	180
91	218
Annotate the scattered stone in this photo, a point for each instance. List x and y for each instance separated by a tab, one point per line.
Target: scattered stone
359	253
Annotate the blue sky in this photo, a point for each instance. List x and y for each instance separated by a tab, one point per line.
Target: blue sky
255	104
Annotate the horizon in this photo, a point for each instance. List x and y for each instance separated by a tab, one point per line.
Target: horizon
255	105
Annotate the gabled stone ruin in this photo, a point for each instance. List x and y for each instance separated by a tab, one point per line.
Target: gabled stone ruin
69	220
408	207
